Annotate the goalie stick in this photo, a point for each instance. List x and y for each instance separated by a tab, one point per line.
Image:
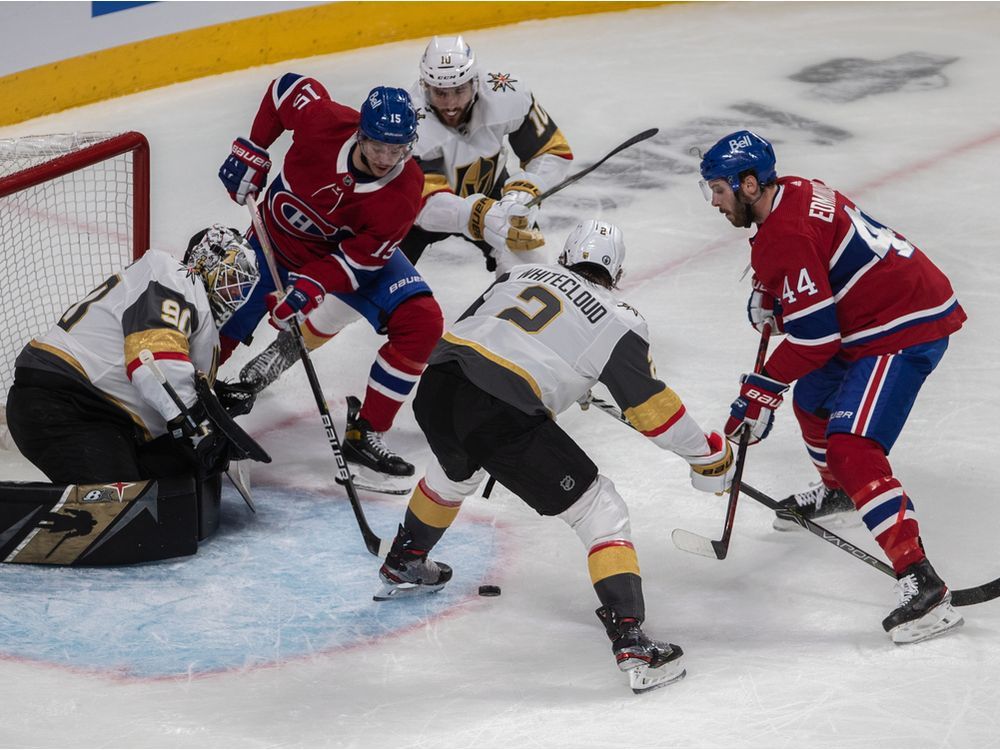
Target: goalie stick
959	597
375	545
584	172
701	545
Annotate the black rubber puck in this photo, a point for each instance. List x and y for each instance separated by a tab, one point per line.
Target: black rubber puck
489	591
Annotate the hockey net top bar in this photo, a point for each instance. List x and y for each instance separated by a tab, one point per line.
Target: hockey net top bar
74	208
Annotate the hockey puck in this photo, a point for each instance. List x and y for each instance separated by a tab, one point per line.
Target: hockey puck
489	590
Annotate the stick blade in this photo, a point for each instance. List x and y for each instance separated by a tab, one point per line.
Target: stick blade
696	544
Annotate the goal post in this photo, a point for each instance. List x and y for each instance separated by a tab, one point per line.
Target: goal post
74	208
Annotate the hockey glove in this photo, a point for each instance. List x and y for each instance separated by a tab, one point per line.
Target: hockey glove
504	224
245	170
759	397
763	306
714	472
300	300
205	448
521	189
236	398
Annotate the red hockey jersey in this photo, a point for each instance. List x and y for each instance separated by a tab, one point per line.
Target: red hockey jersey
848	285
326	221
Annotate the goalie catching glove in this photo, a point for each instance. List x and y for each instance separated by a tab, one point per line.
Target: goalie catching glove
245	170
714	472
506	223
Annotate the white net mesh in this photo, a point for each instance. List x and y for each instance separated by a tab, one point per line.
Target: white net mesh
61	237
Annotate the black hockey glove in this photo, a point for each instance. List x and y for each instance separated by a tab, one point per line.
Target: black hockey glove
205	447
236	398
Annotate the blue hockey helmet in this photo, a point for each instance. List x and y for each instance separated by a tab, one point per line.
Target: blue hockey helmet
737	153
387	115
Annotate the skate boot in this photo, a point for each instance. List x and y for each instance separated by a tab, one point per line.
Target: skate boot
819	503
365	447
650	664
409	572
267	366
924	609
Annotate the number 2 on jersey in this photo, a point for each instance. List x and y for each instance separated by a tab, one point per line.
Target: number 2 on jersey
551	307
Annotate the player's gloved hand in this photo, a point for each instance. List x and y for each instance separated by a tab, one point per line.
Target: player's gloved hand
759	397
205	447
504	224
714	472
763	306
245	170
522	188
304	295
236	398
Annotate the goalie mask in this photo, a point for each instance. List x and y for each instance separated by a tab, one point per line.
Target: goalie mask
227	265
596	243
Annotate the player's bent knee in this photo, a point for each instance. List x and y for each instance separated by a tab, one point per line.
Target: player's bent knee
439	482
599	514
415	327
856	461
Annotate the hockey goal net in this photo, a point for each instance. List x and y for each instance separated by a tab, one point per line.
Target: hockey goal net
74	208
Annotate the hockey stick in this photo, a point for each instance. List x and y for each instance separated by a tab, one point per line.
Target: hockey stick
373	543
959	597
584	172
700	545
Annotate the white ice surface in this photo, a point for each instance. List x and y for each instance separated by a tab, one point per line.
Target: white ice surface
783	640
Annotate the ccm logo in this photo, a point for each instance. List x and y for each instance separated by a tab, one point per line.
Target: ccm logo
763	398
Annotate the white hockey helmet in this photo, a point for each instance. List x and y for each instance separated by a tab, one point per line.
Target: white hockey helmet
598	243
227	264
448	62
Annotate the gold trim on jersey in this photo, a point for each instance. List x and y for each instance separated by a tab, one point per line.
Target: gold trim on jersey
655	411
557	145
156	340
612	560
75	364
434	183
430	511
496	359
64	356
477	177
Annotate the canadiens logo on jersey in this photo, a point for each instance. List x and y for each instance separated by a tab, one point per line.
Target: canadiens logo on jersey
477	177
501	81
298	219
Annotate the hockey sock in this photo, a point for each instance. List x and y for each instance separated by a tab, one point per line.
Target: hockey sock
226	347
435	503
614	571
888	513
313	337
814	435
414	328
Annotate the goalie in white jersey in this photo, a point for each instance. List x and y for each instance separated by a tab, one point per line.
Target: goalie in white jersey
85	407
529	348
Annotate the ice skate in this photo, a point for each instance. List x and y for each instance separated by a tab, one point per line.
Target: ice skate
409	572
650	664
831	508
267	366
924	609
366	449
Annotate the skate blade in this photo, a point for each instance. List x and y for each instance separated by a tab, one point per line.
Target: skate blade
643	679
848	520
392	591
369	480
939	621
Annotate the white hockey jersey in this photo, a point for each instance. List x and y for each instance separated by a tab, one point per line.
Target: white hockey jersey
471	159
542	336
152	304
